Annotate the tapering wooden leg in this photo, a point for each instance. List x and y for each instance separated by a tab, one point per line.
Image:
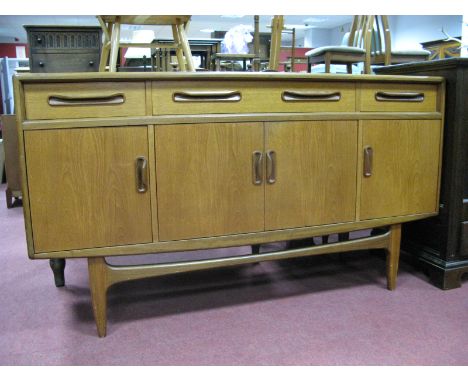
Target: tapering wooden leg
349	68
393	255
58	267
98	284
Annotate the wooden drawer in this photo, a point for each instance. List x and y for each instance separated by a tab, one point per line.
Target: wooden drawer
64	62
196	97
62	38
398	97
84	100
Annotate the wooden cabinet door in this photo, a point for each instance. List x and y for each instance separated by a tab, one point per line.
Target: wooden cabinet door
205	182
403	158
83	190
314	165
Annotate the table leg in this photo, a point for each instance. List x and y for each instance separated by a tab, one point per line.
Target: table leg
58	267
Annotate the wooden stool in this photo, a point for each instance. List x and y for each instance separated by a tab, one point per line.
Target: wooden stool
111	28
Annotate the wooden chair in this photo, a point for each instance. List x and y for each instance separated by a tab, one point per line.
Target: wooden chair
381	52
111	28
346	54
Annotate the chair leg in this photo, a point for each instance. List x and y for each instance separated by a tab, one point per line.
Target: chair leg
179	51
186	48
327	63
349	68
114	50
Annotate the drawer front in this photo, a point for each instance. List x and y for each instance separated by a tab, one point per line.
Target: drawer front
84	100
64	39
251	97
398	97
65	62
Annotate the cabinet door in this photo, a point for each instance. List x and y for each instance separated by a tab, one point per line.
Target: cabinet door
83	189
402	159
205	182
314	165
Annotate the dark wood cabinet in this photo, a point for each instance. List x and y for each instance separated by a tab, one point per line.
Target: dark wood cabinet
64	48
441	243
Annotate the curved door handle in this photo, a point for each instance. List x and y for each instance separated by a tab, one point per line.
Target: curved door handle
271	167
368	156
257	168
141	165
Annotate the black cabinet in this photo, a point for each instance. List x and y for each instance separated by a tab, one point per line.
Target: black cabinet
441	243
64	48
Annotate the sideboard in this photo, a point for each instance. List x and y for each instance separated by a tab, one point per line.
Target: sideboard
440	244
135	163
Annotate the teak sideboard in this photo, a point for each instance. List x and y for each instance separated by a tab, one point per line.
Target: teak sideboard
137	163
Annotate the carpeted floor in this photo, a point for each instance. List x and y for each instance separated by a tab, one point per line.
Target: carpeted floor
326	310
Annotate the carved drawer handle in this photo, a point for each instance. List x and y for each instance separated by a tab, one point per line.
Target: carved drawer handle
142	174
314	95
65	100
399	97
207	96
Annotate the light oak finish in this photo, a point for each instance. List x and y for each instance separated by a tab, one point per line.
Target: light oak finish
398	98
95	100
231	240
405	163
277	164
220	118
204	175
88	197
252	98
103	275
259	78
315	174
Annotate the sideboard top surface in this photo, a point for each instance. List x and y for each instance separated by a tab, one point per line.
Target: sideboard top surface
184	76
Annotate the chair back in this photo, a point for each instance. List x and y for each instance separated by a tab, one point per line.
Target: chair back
359	37
358	32
378	33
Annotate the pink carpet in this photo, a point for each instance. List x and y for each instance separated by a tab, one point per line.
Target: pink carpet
328	310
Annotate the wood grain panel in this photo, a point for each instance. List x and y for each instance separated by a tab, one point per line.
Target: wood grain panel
204	177
82	188
405	168
37	100
316	173
256	97
368	101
